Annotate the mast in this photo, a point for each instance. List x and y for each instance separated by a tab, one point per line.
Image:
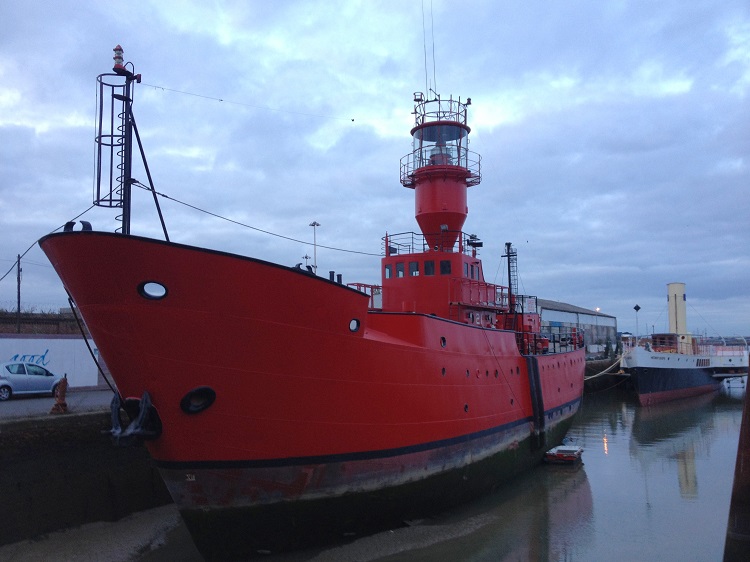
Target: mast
114	139
115	126
512	255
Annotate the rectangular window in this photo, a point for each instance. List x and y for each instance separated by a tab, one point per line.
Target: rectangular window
429	267
474	272
400	269
466	269
445	267
413	268
388	271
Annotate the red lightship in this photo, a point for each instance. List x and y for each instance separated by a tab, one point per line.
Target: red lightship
276	402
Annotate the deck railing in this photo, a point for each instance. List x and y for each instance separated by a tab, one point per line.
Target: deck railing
478	293
415	243
697	346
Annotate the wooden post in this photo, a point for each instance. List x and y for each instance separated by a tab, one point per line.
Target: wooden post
18	300
737	545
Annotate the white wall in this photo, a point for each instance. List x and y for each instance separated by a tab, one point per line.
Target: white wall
58	354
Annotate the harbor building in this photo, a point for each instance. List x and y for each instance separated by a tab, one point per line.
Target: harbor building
599	329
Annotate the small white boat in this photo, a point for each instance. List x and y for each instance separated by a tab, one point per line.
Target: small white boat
564	454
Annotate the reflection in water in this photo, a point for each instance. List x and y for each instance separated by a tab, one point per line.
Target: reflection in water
660	476
686	473
672	431
541	517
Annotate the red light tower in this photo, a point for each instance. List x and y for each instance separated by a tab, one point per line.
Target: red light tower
440	168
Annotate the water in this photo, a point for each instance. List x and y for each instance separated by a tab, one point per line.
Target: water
655	485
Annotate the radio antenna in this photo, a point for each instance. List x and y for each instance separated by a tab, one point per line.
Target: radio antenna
432	30
424	35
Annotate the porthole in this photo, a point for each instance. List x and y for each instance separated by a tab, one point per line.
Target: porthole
443	371
197	400
466	407
467	373
511	401
496	373
442	341
353	325
152	290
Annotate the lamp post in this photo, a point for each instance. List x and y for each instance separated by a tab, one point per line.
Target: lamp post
637	308
596	331
315	225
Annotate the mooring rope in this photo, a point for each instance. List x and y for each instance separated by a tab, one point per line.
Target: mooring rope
608	370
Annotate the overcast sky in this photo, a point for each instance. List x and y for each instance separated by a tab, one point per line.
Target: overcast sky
615	137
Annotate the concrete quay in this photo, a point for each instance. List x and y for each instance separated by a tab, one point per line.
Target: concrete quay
62	470
80	401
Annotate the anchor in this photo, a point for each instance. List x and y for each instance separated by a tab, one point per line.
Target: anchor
145	427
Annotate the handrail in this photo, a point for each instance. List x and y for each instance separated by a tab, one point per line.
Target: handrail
406	243
478	293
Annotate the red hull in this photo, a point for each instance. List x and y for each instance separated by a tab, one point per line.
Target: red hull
677	394
404	397
277	349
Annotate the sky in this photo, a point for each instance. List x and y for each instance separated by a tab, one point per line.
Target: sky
614	136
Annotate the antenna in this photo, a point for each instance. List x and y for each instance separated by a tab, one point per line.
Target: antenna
424	35
432	30
424	46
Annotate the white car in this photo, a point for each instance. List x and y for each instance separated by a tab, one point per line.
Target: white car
17	377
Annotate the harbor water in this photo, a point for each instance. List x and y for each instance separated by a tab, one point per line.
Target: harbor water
655	484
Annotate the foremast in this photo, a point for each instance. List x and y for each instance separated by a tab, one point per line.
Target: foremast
115	126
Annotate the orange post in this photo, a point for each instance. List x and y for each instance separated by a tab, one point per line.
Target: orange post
60	407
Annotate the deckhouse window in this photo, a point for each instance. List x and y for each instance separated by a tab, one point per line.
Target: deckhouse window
388	271
400	269
429	267
466	269
445	267
413	268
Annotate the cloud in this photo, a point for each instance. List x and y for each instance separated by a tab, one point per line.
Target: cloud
614	137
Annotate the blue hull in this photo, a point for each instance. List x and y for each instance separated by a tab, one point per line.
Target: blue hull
654	385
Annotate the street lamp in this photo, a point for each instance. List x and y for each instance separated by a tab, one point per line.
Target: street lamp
315	225
596	331
637	308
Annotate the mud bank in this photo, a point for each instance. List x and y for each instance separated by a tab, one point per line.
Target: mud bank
62	471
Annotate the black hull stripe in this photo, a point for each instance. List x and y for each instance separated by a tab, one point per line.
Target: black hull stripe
354	456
